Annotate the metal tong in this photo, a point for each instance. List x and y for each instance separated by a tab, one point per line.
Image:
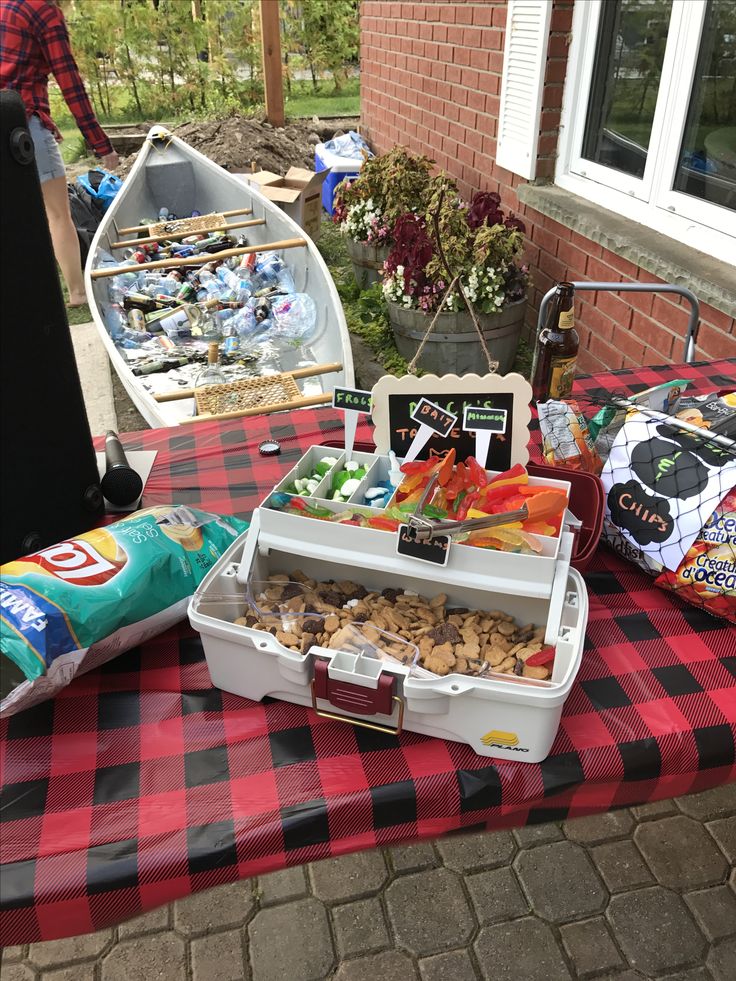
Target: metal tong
421	529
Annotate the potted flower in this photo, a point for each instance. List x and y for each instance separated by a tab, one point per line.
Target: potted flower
454	253
367	207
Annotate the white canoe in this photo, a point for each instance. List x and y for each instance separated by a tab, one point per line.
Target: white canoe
168	172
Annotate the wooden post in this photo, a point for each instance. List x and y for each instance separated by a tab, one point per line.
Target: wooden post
271	53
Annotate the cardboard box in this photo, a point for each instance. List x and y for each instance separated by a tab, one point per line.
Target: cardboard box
298	194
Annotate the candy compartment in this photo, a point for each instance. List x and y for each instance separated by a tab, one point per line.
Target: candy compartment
378	474
346	479
311	466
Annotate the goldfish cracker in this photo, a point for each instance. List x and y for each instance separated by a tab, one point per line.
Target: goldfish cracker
74	605
706	577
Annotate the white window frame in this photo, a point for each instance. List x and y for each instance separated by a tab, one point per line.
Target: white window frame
650	199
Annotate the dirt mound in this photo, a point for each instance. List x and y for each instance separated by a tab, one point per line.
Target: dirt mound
237	142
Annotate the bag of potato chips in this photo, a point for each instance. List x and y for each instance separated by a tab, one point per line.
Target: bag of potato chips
706	576
70	607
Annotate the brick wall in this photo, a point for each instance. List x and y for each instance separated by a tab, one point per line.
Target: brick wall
431	80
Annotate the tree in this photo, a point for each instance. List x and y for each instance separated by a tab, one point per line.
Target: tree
326	32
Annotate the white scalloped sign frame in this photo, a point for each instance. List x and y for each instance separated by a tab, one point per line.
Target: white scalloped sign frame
469	388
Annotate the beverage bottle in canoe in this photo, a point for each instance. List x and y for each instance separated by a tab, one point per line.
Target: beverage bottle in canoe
555	356
211	373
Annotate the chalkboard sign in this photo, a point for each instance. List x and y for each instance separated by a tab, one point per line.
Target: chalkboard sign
403	428
479	417
434	417
436	551
352	398
395	401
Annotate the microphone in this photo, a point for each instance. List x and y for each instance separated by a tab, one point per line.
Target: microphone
121	485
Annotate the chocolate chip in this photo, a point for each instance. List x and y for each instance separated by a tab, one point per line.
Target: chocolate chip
358	593
391	594
310	609
332	597
313	626
445	633
290	590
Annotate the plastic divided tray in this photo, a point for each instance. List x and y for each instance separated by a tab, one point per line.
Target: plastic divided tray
540	576
587	503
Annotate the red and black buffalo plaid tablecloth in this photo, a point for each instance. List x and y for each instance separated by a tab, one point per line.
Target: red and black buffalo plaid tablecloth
140	783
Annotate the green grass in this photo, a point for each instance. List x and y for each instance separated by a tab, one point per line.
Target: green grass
75	315
304	101
376	330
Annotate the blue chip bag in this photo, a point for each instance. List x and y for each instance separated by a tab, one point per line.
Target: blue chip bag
75	605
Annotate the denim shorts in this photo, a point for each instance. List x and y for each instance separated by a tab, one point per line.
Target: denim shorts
48	155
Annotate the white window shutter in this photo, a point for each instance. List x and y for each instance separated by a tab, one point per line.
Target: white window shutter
524	59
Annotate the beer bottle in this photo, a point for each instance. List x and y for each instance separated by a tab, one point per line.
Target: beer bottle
556	353
140	301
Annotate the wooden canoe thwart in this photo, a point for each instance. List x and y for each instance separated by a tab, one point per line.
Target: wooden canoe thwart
257	396
186	226
245	384
170	174
199	260
175	236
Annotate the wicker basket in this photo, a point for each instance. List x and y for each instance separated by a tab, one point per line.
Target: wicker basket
186	226
248	393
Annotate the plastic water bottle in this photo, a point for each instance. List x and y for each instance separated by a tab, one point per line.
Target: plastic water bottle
271	270
228	277
211	283
223	318
115	319
294	316
244	323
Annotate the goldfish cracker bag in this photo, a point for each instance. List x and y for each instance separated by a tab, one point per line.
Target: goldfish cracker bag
706	577
73	606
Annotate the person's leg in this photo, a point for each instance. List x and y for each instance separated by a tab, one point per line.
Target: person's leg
64	237
52	174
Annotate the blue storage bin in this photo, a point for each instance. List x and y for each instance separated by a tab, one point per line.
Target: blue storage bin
339	167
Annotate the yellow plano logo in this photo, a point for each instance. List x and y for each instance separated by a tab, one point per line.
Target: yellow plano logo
499	738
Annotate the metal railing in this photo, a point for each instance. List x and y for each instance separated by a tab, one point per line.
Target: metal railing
693	323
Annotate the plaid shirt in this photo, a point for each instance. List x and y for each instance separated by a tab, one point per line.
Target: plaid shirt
34	43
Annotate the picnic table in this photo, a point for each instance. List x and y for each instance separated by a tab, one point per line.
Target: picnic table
140	783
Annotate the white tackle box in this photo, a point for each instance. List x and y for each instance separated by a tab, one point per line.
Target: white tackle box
502	716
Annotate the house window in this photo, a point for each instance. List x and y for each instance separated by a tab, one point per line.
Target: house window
649	118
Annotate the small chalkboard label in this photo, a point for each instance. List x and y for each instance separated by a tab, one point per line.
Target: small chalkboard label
436	551
478	417
354	399
434	417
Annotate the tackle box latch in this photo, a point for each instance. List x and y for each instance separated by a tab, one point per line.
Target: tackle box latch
370	691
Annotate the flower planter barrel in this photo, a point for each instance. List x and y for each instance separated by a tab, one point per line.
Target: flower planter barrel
367	262
454	346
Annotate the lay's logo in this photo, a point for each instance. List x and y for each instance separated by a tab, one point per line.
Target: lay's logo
90	560
503	740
